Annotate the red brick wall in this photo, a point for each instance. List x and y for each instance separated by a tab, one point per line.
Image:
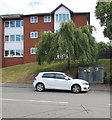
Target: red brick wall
1	43
80	19
31	42
13	61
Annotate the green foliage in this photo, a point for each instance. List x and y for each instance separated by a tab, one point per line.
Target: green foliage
103	47
89	47
69	43
103	12
47	48
109	78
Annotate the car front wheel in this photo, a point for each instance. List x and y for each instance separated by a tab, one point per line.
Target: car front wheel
76	88
40	87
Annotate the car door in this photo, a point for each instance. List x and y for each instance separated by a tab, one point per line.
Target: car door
61	81
49	80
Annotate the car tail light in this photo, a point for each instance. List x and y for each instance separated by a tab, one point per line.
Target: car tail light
34	79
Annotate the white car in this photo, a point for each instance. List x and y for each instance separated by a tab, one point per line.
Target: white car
59	80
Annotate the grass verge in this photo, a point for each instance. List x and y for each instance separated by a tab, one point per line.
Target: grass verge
24	72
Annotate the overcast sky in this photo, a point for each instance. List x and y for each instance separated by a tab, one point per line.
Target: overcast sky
44	6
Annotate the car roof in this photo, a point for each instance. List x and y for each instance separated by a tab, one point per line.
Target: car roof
52	72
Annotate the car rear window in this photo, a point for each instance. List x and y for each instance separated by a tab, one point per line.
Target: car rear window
48	75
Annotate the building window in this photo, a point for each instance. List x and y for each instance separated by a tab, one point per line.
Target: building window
33	34
6	53
22	37
6	38
18	52
18	37
22	23
12	23
47	19
33	19
22	53
18	23
6	24
62	17
12	52
33	50
12	38
56	17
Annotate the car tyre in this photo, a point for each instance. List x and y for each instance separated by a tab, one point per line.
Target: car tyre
40	87
76	88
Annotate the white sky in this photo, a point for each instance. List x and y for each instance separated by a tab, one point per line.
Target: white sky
44	6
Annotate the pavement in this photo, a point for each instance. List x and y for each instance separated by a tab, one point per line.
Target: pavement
93	87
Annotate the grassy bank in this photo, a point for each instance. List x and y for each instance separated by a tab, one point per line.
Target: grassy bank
23	73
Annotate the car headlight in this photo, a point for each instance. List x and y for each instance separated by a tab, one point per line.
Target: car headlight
85	83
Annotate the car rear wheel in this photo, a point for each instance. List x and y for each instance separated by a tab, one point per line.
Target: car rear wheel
40	87
76	88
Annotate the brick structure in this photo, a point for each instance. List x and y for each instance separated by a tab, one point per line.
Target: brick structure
21	33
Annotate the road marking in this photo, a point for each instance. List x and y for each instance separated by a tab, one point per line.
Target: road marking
39	101
109	104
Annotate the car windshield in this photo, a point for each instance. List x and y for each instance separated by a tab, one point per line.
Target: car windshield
69	75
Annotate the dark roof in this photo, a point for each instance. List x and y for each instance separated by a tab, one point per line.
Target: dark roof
61	6
81	13
36	14
11	16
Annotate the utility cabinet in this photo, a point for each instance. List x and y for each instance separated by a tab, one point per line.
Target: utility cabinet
92	74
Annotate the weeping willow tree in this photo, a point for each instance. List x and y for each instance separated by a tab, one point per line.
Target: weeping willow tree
47	48
89	46
69	43
77	43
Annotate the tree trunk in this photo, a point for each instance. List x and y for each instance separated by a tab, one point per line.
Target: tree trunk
68	62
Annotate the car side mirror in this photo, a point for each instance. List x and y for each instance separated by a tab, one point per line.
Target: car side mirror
66	78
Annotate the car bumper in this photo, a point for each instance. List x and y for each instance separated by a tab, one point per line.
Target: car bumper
34	84
85	88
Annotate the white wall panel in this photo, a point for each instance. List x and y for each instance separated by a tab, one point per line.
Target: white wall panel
61	10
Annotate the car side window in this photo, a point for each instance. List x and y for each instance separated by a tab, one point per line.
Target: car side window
59	76
48	75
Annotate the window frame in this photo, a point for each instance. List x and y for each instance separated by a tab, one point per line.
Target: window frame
12	25
5	25
62	17
16	38
47	19
7	38
15	53
16	25
34	19
60	75
13	38
31	49
8	53
35	36
46	75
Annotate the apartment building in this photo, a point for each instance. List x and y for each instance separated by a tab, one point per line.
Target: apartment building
20	33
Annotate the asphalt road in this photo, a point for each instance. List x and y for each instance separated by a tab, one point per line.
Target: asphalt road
27	103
